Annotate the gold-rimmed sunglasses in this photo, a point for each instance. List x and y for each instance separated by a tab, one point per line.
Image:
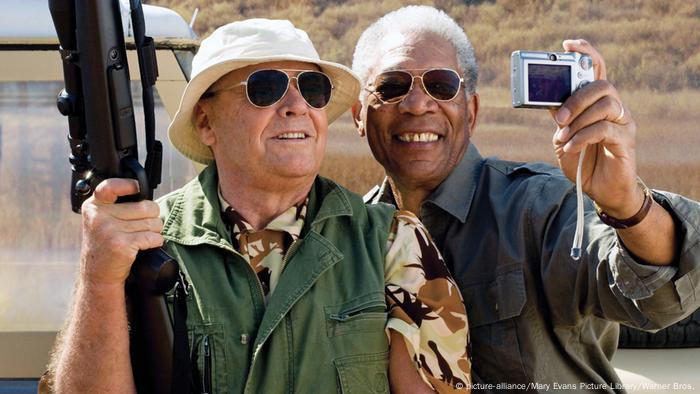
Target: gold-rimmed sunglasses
441	84
267	87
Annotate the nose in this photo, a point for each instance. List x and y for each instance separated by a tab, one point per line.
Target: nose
417	102
293	103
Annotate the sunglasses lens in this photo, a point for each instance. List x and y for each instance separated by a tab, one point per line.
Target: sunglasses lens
442	84
392	85
315	87
266	87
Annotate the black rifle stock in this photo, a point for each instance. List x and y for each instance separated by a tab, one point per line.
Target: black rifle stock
98	103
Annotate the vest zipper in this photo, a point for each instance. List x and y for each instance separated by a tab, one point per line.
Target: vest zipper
207	366
255	275
257	280
291	249
250	267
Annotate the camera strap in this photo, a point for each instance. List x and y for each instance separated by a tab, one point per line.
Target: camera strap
578	235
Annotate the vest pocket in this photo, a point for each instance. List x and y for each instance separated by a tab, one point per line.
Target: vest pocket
208	359
363	314
363	373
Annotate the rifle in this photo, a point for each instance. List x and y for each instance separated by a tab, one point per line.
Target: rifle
98	103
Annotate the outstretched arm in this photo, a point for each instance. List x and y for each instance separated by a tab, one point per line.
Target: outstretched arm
596	117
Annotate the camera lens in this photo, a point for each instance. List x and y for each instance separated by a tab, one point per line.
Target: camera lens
586	62
553	57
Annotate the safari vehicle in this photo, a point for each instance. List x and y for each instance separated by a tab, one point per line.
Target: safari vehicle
40	240
40	236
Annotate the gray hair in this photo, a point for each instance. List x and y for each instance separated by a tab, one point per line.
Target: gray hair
416	19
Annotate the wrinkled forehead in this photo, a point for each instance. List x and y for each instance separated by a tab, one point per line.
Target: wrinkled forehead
413	50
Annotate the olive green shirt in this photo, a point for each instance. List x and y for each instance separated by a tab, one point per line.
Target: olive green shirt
537	316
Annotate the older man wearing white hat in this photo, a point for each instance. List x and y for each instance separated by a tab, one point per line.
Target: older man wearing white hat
291	275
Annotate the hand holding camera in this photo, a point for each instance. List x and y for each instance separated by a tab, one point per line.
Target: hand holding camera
547	79
590	113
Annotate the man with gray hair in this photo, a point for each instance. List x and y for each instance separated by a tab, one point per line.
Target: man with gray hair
295	285
504	228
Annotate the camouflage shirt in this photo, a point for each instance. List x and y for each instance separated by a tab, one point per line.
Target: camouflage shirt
424	303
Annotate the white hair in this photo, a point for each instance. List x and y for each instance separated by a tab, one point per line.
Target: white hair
415	19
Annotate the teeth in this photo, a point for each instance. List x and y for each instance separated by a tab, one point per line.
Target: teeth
290	136
418	137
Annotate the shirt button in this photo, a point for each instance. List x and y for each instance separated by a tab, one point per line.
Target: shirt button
244	339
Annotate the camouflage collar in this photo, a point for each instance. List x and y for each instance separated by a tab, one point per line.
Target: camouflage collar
196	214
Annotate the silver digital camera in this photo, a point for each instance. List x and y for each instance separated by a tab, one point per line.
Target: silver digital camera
547	79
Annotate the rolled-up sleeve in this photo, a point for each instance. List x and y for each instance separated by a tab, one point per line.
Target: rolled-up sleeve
680	295
608	281
635	280
425	306
639	281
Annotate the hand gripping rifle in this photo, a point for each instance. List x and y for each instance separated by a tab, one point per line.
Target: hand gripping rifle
97	101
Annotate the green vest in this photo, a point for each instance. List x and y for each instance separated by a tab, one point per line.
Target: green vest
323	328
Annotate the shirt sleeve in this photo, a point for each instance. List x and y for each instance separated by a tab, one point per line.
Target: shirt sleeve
607	281
635	280
425	306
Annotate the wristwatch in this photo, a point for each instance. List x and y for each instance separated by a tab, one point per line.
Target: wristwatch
631	221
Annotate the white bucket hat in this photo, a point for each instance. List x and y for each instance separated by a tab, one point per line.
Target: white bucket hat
240	44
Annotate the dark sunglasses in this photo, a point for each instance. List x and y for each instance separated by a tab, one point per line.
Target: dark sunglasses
442	84
265	88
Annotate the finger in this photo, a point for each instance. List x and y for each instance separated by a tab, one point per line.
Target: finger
110	189
145	240
584	47
568	162
557	138
584	98
135	210
107	218
605	109
134	226
600	132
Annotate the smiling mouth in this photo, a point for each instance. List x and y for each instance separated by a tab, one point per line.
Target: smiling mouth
291	136
418	137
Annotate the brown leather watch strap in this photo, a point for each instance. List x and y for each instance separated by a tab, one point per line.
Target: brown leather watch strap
631	221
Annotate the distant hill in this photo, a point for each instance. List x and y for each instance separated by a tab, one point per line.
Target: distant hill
647	43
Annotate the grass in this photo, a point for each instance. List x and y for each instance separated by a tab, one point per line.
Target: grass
650	48
35	173
651	44
667	139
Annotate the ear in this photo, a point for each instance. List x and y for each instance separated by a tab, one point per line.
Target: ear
472	112
356	110
202	123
